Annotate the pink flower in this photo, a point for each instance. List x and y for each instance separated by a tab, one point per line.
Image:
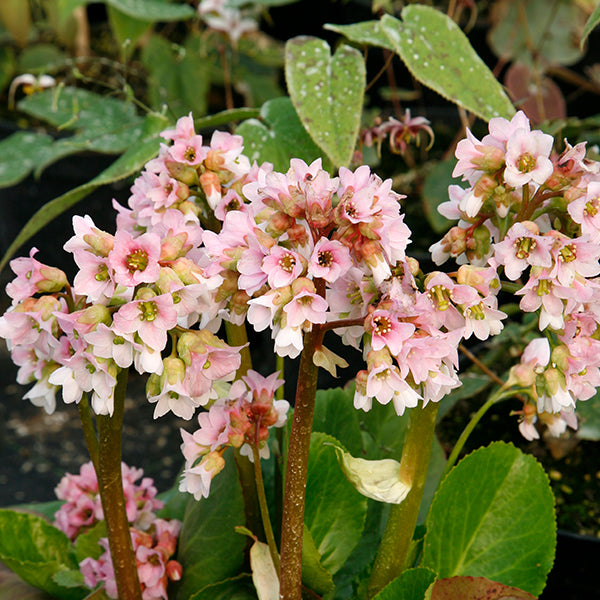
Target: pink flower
387	331
329	260
149	318
306	307
527	159
33	277
135	260
282	266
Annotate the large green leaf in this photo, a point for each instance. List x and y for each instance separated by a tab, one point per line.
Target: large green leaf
235	588
335	512
278	137
440	56
327	93
210	550
335	414
411	585
493	516
36	552
140	152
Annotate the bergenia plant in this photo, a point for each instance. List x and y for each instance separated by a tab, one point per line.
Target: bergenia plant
338	494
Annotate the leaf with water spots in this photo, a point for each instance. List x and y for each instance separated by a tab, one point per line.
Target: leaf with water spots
441	57
327	93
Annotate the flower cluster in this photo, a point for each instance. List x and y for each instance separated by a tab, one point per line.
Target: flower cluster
241	420
154	539
227	18
153	551
533	213
83	509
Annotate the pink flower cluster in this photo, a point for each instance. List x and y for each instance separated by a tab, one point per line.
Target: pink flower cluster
83	509
533	213
153	551
154	539
241	420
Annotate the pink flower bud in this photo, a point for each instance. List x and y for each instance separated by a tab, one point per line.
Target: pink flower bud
174	570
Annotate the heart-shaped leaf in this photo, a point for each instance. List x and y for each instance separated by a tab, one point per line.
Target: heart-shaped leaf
327	93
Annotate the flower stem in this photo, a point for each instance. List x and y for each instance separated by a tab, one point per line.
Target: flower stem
296	470
399	530
264	508
110	485
464	436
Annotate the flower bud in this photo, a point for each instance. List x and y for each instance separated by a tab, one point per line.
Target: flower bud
560	357
184	173
174	570
53	280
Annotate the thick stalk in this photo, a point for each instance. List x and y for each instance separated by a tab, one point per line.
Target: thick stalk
110	484
89	433
296	470
399	530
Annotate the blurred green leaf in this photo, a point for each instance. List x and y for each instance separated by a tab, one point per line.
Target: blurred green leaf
36	551
20	153
40	58
588	414
440	56
7	66
327	93
590	25
435	191
127	30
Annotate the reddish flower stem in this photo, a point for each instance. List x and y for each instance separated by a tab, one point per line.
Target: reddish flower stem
110	484
296	471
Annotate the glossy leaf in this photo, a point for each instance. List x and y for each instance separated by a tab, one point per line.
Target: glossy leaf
335	512
140	152
335	414
475	588
36	551
367	32
278	137
411	585
327	93
440	56
210	550
493	516
314	574
235	588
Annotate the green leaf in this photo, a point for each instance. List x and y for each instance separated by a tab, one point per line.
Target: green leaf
335	414
439	55
153	10
7	66
537	32
335	512
588	414
384	431
435	191
327	93
235	588
367	32
71	578
314	574
590	25
21	153
411	585
41	58
36	551
140	152
475	588
210	550
278	137
45	509
493	516
126	29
